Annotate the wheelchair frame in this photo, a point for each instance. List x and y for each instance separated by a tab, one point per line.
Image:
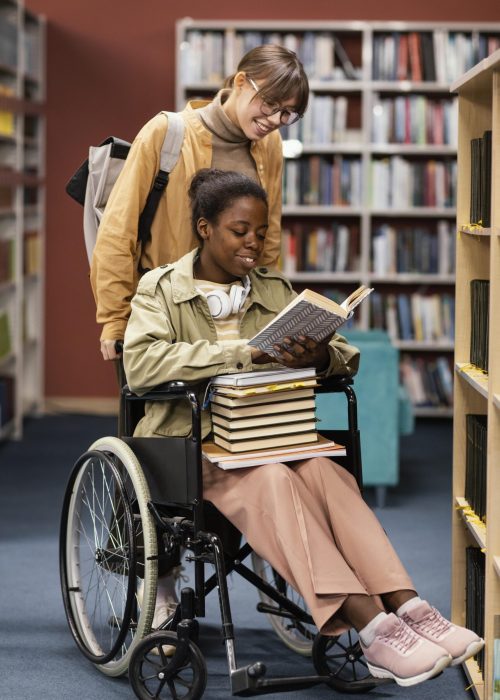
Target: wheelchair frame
181	520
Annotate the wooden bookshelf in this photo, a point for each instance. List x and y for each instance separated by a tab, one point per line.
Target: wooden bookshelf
361	100
22	211
478	257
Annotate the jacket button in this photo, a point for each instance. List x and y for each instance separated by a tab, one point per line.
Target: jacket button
263	270
239	365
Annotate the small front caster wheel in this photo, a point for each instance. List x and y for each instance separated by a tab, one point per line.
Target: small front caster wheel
341	659
157	671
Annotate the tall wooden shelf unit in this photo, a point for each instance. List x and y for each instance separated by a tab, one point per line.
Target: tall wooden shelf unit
364	145
478	257
22	215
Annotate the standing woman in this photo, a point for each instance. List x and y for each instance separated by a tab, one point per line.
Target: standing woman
238	130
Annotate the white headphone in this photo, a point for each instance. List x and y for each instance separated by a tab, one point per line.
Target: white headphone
221	305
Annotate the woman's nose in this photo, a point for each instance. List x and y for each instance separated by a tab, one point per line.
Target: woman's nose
275	119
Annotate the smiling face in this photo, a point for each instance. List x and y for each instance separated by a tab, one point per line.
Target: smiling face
244	108
234	242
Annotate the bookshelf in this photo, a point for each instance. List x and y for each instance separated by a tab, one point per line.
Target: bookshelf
477	392
22	215
381	120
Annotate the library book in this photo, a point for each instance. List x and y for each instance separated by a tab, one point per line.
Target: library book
310	314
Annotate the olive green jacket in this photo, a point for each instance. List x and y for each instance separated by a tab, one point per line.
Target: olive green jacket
115	260
171	335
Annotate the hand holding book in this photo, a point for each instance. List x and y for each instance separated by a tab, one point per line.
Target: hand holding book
310	315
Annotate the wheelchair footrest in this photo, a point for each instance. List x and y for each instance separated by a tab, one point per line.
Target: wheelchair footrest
251	680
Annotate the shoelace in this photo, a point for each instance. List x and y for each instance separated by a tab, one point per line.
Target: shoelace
402	638
433	623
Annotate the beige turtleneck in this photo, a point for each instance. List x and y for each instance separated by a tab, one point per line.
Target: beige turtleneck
230	146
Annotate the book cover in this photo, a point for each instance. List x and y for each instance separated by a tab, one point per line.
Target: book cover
273	442
309	314
266	409
263	400
265	420
259	378
227	460
245	391
267	430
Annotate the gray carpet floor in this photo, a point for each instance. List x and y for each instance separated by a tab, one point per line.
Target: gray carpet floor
38	657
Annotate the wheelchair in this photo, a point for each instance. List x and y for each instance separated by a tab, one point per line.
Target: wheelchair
131	505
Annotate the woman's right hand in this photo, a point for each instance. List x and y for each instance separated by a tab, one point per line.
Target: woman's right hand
109	350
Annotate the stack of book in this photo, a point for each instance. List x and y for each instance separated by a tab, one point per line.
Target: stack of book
262	417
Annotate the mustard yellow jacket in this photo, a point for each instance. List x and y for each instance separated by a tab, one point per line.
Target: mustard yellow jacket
171	335
116	255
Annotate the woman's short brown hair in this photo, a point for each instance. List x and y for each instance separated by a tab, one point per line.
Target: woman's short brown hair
280	73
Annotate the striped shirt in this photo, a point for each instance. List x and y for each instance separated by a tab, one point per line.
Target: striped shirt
227	328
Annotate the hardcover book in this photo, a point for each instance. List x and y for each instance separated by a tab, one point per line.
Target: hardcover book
309	314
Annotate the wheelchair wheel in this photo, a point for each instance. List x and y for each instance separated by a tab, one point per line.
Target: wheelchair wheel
341	659
108	537
153	675
297	635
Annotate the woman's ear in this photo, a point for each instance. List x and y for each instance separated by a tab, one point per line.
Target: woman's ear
239	79
202	226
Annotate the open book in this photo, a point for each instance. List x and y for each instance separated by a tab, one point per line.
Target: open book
309	314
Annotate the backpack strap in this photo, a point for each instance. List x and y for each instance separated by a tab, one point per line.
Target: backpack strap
169	156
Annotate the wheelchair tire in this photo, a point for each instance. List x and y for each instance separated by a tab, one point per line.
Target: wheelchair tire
341	659
105	522
151	678
297	635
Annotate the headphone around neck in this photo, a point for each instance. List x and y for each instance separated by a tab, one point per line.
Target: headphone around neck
221	304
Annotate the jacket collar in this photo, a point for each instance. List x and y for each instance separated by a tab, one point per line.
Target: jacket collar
183	283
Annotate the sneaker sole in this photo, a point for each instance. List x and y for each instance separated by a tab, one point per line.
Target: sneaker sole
441	664
472	650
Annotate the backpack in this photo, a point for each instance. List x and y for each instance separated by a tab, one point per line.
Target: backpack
92	183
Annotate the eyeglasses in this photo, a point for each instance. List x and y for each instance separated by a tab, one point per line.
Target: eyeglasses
287	116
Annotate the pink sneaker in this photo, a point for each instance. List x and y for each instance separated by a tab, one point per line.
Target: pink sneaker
398	653
428	622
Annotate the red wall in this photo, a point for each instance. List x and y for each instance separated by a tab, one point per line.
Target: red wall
110	66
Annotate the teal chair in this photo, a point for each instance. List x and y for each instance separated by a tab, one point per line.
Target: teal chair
384	410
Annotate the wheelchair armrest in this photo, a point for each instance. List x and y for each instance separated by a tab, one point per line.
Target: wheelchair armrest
163	392
333	384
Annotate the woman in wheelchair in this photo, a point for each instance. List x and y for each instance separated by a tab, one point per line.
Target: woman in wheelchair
192	320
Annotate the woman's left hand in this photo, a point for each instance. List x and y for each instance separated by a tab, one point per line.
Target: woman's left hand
303	352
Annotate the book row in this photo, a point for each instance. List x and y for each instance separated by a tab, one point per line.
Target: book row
427	318
475	463
429	382
418	249
475	566
323	180
7	399
31	256
415	119
9	39
325	121
402	183
322	53
439	56
480	299
333	248
480	195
